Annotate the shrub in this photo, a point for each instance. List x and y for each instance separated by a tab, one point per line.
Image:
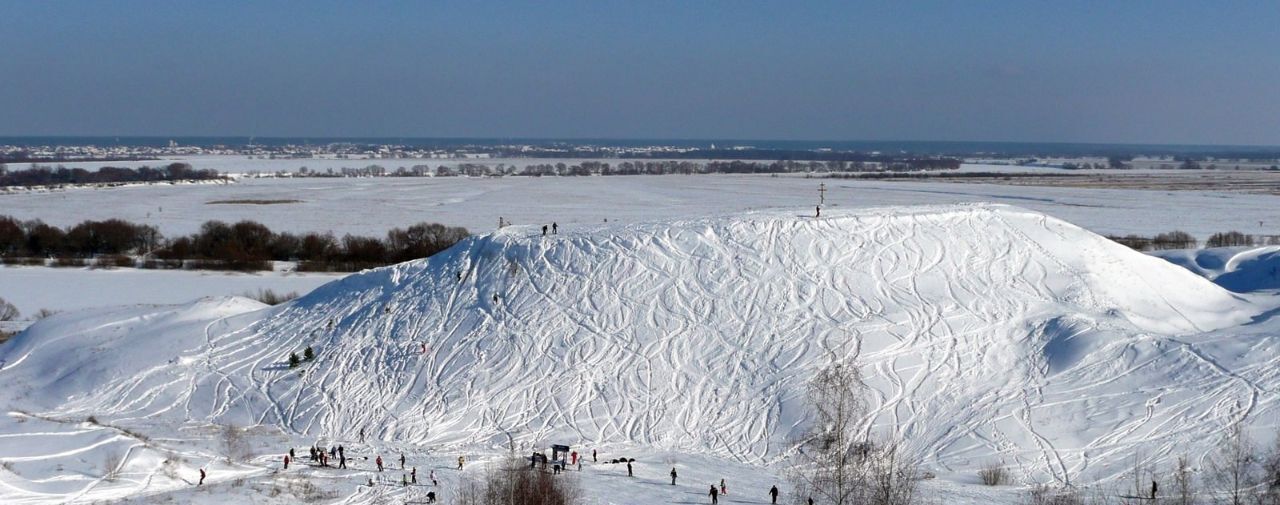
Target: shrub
111	465
293	360
513	482
308	354
116	261
992	474
43	313
68	261
270	297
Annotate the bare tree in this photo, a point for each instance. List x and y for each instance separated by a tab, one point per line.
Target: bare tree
234	445
830	459
1231	469
1184	485
7	311
1271	475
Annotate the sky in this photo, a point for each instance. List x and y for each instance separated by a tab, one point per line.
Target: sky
1168	72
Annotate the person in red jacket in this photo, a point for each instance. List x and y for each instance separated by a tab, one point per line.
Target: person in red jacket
286	461
379	462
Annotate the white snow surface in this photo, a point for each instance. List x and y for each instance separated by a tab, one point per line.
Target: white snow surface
987	333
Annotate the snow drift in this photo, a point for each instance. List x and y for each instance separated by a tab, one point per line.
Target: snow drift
987	333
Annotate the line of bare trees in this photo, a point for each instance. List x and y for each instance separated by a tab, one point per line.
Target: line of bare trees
1184	240
245	245
38	175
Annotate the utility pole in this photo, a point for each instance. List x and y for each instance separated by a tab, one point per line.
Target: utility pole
822	193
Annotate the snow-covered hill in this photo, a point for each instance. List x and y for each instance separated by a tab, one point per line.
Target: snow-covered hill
988	333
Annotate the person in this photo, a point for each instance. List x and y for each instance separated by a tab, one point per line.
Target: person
404	480
413	476
201	483
1153	489
593	456
341	451
574	456
723	489
810	500
431	496
773	494
402	461
461	459
715	498
434	482
555	228
544	230
629	474
286	461
333	451
342	460
818	213
555	470
291	453
379	462
313	452
673	476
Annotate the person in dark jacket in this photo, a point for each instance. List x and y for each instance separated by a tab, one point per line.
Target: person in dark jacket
555	228
201	483
773	494
715	495
544	230
673	476
629	474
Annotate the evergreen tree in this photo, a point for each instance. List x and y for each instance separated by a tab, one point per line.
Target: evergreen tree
308	354
293	360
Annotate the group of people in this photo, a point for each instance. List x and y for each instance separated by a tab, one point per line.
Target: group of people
320	456
555	228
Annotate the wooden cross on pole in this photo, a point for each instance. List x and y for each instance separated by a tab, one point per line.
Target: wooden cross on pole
822	193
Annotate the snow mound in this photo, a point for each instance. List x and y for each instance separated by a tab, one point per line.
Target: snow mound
987	332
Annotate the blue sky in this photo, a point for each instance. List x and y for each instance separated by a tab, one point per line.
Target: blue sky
1129	71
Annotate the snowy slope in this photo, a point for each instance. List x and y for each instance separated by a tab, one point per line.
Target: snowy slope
988	333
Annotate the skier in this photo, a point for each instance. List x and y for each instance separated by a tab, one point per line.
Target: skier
723	488
544	230
342	460
773	494
554	228
715	496
593	456
629	473
461	460
379	462
201	483
286	461
414	475
402	461
673	476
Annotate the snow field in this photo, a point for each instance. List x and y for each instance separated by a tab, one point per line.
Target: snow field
987	333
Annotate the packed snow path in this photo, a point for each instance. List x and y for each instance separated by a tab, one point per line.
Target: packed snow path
988	333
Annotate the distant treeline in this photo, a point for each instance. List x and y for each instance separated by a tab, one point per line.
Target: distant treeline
24	156
714	154
47	176
1184	240
664	167
246	245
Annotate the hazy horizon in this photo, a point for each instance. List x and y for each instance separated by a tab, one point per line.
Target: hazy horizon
1171	73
